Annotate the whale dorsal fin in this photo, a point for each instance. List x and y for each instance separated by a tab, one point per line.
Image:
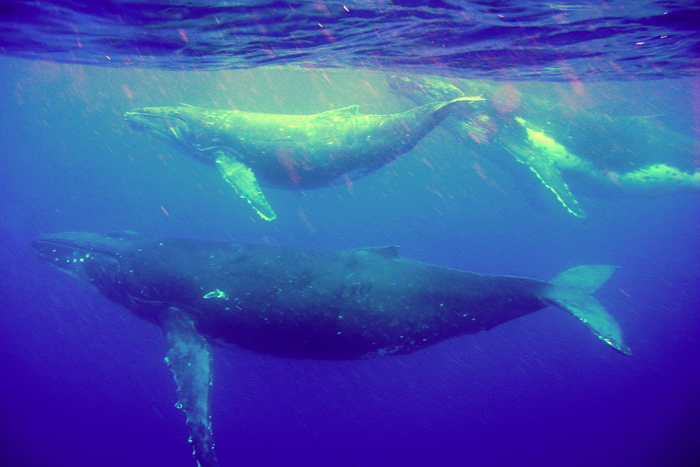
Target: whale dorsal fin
349	110
388	252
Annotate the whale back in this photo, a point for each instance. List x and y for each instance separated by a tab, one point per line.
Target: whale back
293	151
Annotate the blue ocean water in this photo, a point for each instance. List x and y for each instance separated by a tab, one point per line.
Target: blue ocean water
504	39
83	380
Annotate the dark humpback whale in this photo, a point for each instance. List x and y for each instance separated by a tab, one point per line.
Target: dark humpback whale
302	303
289	151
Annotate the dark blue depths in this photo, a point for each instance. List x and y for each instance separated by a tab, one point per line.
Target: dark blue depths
84	383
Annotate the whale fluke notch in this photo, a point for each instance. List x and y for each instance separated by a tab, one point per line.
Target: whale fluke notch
571	292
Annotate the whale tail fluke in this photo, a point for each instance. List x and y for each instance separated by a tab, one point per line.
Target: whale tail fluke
571	291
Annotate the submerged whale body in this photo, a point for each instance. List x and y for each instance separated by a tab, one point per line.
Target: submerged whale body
303	303
557	143
293	152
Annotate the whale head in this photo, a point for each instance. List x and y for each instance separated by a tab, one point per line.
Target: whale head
164	122
126	267
183	126
89	256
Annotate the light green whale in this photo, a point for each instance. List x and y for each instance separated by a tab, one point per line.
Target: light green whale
289	151
623	154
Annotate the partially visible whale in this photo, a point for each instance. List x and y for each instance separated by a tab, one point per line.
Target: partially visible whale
493	130
304	304
529	136
289	151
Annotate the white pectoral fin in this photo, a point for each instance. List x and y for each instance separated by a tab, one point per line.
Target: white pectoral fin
243	180
189	360
549	175
546	158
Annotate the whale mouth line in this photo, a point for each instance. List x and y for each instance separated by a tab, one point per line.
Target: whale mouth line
53	249
143	121
171	129
150	114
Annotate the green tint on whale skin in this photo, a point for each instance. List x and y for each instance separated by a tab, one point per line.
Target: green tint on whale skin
557	143
294	152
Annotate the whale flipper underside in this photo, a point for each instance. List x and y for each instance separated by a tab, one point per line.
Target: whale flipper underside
243	180
189	359
548	174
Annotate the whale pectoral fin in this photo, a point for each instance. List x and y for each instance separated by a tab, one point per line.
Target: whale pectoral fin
545	157
549	175
570	291
246	185
189	360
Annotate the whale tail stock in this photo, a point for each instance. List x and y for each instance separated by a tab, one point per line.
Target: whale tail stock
571	291
439	105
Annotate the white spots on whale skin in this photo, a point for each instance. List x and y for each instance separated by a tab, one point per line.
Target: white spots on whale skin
383	352
216	293
77	259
